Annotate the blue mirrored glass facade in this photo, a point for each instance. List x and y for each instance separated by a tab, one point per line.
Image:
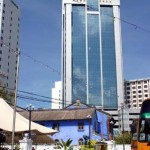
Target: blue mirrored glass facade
79	54
94	76
92	5
89	60
108	58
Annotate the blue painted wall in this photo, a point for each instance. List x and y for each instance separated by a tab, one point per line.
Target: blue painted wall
69	128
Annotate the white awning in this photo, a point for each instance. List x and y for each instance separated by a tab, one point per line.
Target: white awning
22	124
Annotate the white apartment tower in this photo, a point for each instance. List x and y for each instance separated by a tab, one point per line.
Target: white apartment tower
9	43
136	91
57	96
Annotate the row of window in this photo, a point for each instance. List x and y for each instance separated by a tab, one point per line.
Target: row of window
134	87
80	141
133	83
56	126
134	96
96	127
134	92
135	106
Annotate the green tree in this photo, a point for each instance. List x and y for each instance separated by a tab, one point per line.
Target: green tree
127	138
8	96
64	144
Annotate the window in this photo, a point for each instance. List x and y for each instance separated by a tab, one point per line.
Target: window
145	81
81	142
144	129
139	87
0	51
128	92
146	95
134	92
140	95
139	91
56	141
145	86
128	97
56	126
134	101
80	126
128	88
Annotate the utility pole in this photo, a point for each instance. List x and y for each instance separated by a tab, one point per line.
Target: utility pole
15	101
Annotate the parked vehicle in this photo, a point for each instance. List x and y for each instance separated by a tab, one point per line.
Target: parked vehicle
141	139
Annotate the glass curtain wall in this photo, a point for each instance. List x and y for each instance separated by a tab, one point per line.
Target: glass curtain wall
108	58
94	76
79	88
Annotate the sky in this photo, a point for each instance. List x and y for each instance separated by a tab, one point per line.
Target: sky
40	40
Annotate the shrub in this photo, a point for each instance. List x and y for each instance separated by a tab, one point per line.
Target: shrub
127	139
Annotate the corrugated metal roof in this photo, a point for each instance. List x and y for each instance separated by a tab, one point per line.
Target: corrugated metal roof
61	114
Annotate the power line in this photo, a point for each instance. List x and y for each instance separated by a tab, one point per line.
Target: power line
30	93
122	20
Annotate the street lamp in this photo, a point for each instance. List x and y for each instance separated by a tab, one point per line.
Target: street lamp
89	117
30	108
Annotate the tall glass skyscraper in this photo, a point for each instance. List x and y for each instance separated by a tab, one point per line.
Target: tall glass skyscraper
92	53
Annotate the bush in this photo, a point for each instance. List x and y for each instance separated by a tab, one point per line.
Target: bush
127	139
92	145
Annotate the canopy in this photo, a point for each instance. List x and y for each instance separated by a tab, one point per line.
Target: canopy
22	124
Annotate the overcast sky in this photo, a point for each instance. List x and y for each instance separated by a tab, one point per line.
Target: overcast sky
40	38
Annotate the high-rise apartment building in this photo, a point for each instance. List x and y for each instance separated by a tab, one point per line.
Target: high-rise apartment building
92	53
9	43
57	96
136	91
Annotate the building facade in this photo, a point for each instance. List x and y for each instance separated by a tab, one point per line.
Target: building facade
57	96
9	43
78	121
136	91
92	53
